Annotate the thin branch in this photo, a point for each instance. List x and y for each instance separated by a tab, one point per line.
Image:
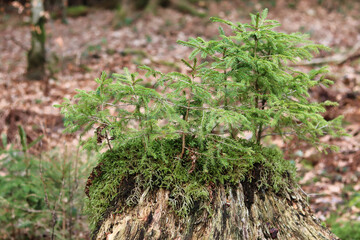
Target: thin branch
313	194
338	59
53	211
260	131
183	135
73	188
108	140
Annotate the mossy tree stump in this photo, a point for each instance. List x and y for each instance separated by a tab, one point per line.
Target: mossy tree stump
179	164
241	212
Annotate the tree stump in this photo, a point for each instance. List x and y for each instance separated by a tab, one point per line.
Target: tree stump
241	212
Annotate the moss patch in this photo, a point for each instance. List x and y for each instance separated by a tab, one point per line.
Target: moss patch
189	180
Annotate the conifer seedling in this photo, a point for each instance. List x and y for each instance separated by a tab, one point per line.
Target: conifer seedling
192	130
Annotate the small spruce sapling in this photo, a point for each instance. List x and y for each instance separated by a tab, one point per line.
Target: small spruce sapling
247	85
190	129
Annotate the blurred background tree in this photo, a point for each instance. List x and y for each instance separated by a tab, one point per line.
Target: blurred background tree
37	54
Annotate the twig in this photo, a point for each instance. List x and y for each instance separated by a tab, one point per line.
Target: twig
338	59
29	210
53	212
75	186
313	194
183	135
350	58
108	140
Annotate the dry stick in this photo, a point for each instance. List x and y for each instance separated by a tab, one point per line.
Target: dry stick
70	202
183	135
54	215
61	192
225	80
258	137
31	210
75	186
55	204
108	140
53	211
338	59
309	195
71	196
263	102
226	103
187	117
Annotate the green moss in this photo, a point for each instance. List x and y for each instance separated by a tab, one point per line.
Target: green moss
217	160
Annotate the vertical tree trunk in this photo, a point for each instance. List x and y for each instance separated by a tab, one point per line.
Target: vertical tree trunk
37	54
64	5
239	213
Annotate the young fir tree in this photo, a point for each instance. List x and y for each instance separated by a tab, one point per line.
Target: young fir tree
188	134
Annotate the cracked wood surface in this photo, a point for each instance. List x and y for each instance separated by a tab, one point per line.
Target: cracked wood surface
264	215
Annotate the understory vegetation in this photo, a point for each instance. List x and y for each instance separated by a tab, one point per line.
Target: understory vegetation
190	131
41	197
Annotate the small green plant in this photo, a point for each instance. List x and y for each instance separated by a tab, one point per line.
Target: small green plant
40	195
21	195
191	130
344	221
348	230
344	229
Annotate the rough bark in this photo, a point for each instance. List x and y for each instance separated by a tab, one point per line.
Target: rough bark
37	55
239	213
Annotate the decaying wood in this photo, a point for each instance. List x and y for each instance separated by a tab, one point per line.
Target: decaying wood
239	213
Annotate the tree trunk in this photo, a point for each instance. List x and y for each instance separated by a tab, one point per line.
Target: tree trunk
239	213
63	7
37	55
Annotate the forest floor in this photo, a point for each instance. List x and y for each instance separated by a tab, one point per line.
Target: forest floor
88	45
